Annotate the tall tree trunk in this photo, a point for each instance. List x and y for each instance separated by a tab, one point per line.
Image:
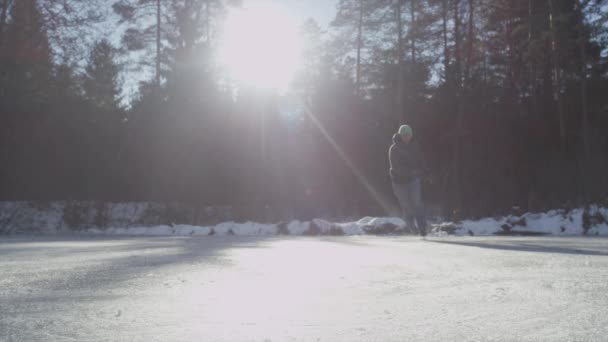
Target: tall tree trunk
359	47
158	44
457	45
460	110
557	76
532	94
531	66
470	37
446	51
400	66
529	20
582	39
413	29
5	4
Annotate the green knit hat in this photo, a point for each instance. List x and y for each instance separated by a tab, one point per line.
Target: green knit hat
405	130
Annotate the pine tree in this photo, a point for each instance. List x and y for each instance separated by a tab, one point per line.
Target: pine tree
67	22
356	22
154	25
105	138
101	78
145	31
27	56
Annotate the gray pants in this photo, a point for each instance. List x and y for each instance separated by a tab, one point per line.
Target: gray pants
410	200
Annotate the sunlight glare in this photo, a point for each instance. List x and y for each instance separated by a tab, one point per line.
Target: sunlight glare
260	47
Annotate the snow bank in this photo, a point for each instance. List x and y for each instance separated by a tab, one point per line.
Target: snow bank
297	227
246	229
31	217
593	221
150	219
124	214
76	216
146	219
377	225
179	230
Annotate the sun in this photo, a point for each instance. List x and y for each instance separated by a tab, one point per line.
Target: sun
260	47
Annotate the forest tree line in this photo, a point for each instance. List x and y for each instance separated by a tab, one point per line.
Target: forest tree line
508	99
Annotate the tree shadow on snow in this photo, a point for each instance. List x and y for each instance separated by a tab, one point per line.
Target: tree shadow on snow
107	264
539	246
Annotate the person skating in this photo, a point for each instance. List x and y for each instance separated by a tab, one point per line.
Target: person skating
406	171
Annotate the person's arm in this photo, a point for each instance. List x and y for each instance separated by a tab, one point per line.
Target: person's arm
395	163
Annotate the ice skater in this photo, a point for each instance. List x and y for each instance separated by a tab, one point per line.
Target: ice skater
407	166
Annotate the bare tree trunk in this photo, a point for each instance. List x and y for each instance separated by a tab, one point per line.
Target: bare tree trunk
5	4
457	44
584	99
413	29
557	75
446	51
531	66
532	111
359	47
470	37
400	66
529	20
158	44
460	110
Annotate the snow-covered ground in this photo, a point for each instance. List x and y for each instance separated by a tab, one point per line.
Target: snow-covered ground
271	289
142	219
593	222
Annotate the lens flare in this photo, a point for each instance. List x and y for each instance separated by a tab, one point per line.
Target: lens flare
260	47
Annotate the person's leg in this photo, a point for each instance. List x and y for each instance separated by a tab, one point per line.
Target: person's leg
401	192
415	194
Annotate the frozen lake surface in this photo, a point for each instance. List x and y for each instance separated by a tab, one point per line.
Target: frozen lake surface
354	288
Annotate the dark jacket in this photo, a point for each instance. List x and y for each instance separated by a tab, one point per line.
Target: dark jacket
406	161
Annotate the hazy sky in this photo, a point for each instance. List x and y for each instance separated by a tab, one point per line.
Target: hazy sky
321	10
